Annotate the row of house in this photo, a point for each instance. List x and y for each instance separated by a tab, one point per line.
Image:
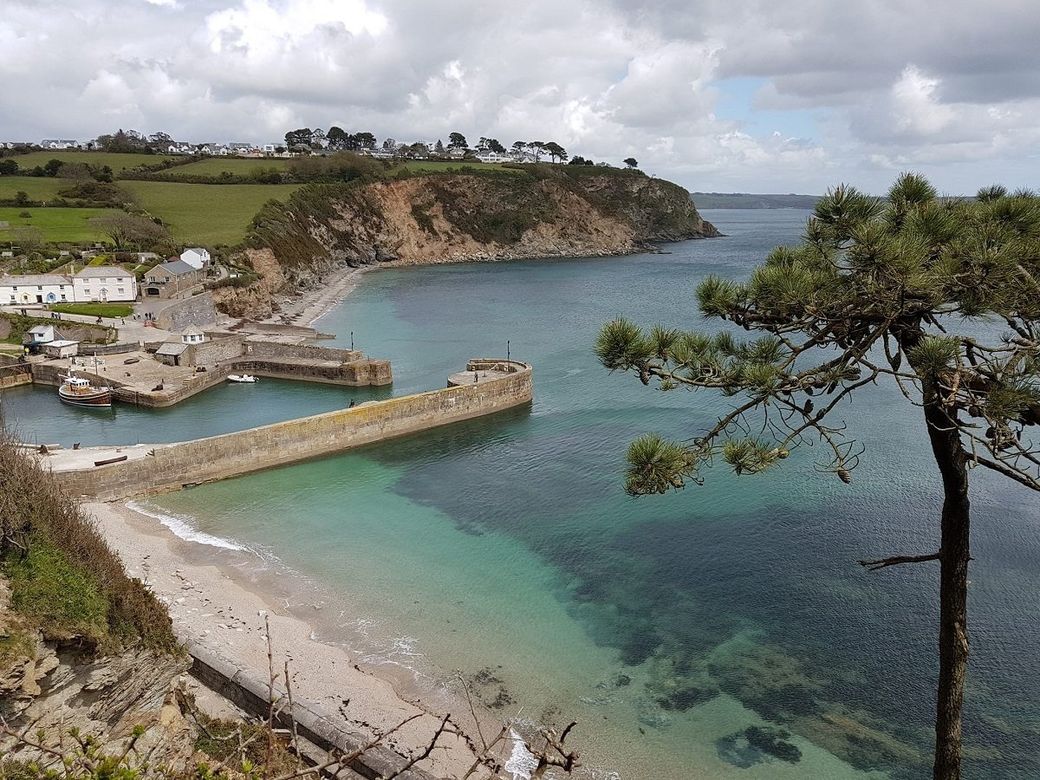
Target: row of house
234	149
107	284
94	284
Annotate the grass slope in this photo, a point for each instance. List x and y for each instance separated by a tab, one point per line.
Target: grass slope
206	214
114	160
95	309
215	166
36	187
455	166
56	225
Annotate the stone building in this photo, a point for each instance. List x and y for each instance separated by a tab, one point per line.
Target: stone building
171	278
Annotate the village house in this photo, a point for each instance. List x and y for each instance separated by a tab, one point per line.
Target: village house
493	157
104	283
196	257
169	279
180	148
36	288
59	143
38	335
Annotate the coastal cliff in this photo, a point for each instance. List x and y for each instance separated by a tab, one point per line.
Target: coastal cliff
530	212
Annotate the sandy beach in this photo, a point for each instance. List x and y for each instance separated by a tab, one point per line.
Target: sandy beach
306	308
211	605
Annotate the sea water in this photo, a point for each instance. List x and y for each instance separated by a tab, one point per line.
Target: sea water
724	631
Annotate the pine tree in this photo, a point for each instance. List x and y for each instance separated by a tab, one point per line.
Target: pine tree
877	291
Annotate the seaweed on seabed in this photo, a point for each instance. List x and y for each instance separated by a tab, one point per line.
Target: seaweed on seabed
752	746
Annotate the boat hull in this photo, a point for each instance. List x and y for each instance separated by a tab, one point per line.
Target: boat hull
98	400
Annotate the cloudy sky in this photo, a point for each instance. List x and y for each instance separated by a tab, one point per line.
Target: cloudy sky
723	95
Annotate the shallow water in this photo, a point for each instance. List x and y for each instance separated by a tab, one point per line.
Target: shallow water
667	627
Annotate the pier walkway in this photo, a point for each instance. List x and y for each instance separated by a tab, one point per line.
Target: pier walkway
500	385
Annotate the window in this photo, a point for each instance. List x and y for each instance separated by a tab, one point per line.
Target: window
121	290
39	287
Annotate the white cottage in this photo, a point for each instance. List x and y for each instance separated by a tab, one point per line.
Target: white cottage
196	257
35	288
192	335
104	283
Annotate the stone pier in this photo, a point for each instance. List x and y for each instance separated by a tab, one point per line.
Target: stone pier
499	385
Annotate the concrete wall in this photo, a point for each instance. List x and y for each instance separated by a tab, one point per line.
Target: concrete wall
218	457
197	310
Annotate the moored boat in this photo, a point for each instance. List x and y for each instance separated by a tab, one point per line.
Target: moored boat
78	391
242	378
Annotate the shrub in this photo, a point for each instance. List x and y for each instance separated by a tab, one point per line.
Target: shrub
63	576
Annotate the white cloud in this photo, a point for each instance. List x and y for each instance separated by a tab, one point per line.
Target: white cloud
934	86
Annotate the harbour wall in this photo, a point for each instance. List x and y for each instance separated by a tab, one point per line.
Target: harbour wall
172	466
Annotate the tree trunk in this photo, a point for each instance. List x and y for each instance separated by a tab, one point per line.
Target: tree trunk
954	554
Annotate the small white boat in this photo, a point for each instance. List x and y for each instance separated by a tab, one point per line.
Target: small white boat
78	391
242	378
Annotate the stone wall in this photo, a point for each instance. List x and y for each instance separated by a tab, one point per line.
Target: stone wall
197	310
275	349
213	351
14	371
218	457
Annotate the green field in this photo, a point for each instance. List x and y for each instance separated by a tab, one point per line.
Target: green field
56	225
36	187
437	166
206	214
114	160
94	309
214	166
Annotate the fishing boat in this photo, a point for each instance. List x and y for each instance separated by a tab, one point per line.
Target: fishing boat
78	391
242	378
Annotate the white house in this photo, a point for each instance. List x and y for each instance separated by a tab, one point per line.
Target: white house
104	283
39	334
493	157
59	143
192	335
36	288
196	257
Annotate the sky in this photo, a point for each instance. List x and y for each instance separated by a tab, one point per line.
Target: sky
718	95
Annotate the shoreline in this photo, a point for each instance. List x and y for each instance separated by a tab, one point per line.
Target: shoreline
214	602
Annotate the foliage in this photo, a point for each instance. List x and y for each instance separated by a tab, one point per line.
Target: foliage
97	193
342	166
910	290
133	231
64	577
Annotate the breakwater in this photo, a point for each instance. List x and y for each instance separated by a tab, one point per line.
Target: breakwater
486	386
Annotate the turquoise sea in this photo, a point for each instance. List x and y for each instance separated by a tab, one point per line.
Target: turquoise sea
724	631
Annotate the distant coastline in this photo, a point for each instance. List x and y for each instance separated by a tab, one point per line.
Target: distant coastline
747	200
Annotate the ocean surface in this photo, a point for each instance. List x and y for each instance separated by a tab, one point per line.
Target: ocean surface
724	631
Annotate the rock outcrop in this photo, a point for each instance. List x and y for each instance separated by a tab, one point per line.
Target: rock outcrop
541	211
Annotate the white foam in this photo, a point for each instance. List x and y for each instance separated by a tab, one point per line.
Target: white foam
183	528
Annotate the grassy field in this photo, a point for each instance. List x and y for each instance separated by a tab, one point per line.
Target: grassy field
36	187
437	166
56	225
215	166
116	161
206	214
95	309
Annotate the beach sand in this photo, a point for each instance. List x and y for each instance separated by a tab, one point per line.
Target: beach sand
211	605
305	308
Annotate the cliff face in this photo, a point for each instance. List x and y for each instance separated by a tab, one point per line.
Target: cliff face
544	212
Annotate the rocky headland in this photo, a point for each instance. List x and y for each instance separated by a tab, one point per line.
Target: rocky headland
533	212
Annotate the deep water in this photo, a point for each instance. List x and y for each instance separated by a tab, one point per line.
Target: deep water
724	631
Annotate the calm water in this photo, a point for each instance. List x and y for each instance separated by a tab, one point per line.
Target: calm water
667	627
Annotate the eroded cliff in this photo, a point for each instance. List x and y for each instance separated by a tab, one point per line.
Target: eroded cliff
539	211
